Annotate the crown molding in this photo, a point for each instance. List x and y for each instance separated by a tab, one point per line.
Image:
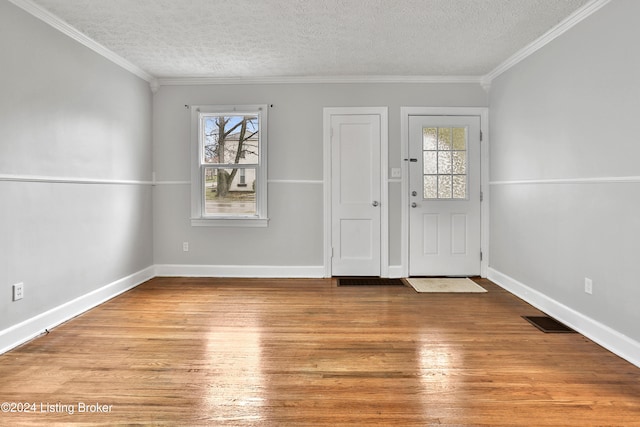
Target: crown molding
186	81
57	23
564	26
485	80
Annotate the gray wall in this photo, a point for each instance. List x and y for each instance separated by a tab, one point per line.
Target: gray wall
68	114
570	111
295	233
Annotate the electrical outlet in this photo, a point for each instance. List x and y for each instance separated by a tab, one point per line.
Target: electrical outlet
588	285
185	246
18	291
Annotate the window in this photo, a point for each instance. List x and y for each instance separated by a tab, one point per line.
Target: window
444	151
229	166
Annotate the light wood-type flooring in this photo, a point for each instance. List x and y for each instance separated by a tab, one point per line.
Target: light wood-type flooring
292	352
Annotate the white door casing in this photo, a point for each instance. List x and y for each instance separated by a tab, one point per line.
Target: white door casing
444	219
356	211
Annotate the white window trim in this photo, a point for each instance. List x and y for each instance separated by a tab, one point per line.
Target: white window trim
198	219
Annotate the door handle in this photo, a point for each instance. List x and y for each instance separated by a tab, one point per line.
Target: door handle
375	204
414	193
414	205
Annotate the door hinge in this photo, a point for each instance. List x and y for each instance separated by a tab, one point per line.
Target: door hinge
480	255
480	136
481	196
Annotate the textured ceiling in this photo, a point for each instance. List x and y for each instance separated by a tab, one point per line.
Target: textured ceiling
282	38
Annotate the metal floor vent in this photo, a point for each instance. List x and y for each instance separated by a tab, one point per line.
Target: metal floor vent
368	281
548	324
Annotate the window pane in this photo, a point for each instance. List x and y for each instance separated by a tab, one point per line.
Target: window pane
444	186
430	162
459	138
430	187
444	138
230	139
429	138
460	162
459	187
230	191
444	162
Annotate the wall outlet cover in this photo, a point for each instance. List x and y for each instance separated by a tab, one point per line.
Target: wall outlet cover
18	291
588	285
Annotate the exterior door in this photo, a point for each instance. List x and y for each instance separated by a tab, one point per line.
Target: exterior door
444	174
355	195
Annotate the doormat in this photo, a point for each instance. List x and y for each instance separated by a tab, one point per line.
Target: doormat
548	325
368	281
445	284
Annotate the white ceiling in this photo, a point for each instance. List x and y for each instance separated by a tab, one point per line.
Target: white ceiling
304	38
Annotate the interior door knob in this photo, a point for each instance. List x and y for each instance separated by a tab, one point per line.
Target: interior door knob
414	205
375	203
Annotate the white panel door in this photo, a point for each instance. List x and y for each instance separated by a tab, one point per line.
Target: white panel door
444	174
355	195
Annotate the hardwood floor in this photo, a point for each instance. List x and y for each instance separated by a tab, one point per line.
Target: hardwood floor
273	352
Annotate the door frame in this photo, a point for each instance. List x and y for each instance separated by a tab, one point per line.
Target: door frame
384	186
483	113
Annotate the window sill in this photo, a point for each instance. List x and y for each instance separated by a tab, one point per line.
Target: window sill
229	222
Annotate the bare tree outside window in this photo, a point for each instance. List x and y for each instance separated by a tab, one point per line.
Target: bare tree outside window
229	165
231	143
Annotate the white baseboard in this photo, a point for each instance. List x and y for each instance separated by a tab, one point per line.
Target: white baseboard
603	335
31	328
251	271
260	271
